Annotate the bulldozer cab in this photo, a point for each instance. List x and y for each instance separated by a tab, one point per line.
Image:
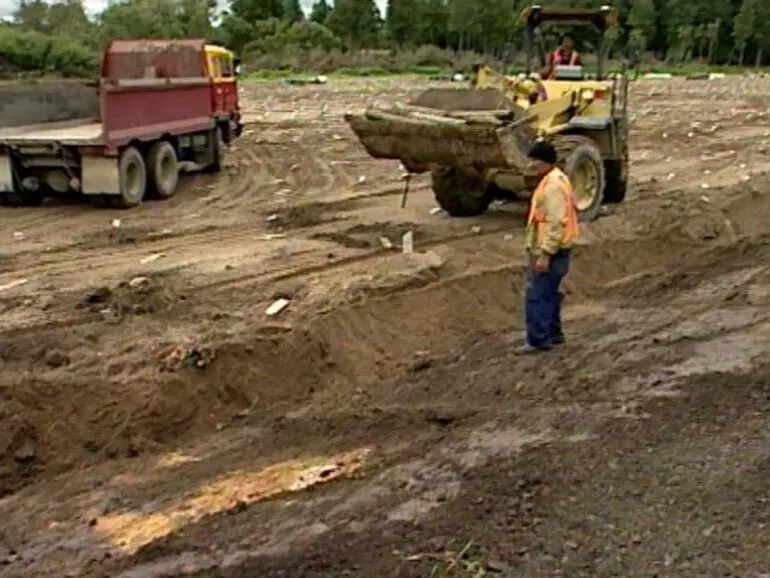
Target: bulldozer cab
535	17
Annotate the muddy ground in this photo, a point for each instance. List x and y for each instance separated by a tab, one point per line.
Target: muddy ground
156	422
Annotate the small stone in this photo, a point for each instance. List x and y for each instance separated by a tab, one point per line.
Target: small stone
56	358
26	453
497	566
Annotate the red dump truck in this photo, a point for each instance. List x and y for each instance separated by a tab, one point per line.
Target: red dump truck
161	105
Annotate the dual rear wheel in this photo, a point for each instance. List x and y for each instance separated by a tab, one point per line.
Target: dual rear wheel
157	176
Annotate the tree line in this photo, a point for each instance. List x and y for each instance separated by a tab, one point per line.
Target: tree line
60	37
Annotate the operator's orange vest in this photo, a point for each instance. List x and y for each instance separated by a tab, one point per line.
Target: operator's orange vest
557	57
537	218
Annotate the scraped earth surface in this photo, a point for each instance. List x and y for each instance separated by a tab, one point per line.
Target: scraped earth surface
157	422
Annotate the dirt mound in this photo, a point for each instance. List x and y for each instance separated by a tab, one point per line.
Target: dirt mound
33	103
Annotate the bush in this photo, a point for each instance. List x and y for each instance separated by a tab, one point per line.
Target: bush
426	61
27	50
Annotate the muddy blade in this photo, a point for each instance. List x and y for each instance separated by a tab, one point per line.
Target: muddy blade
423	144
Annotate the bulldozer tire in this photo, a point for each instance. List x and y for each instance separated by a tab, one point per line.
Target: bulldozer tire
615	186
163	169
132	173
581	160
460	194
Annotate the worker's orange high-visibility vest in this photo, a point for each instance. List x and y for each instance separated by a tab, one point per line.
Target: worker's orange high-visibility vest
557	58
537	218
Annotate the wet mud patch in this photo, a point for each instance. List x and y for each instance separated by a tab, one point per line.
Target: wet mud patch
376	236
119	234
139	296
302	217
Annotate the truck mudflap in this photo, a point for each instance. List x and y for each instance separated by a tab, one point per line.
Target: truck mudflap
237	125
425	138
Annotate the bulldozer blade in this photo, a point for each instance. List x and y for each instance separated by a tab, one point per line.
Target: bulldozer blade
422	141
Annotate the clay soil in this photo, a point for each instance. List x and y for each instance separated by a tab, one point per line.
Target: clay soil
156	422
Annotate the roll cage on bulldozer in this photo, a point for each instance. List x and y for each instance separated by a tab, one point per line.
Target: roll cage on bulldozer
534	17
474	141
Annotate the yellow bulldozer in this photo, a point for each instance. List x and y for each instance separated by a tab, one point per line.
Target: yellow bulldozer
474	140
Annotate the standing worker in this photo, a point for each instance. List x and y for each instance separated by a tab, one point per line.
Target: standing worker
564	55
552	227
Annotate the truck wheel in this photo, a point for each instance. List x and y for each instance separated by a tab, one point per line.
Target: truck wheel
163	169
581	160
217	150
460	194
133	179
615	186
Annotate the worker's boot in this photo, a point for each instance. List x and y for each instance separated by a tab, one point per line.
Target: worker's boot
528	349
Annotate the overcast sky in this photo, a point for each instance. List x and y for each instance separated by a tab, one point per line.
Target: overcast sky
7	7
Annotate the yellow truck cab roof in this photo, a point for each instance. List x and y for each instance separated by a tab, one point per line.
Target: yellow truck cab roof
214	49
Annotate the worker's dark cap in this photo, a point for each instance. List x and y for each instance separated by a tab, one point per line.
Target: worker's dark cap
542	151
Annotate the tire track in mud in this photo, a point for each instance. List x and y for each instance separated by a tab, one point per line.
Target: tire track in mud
256	165
319	264
304	264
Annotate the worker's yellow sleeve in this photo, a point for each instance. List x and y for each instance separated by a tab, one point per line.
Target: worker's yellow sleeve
554	209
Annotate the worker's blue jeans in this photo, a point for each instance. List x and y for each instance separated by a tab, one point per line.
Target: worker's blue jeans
543	301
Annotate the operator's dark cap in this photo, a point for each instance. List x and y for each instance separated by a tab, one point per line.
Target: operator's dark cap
542	151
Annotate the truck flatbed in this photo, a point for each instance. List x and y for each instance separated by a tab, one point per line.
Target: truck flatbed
79	132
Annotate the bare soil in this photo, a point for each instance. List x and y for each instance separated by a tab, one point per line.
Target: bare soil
157	422
47	101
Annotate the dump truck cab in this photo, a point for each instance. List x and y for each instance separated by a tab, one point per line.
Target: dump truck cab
221	68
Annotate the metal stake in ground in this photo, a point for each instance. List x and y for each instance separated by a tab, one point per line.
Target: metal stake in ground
407	178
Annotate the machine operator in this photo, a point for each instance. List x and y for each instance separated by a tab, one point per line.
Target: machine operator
564	55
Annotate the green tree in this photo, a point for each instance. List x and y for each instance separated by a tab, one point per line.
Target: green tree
712	34
357	22
401	21
643	18
33	15
686	37
462	22
320	11
253	10
292	11
142	18
744	27
236	31
679	17
195	17
432	22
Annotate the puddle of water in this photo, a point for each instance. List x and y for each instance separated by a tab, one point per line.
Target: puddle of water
730	353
